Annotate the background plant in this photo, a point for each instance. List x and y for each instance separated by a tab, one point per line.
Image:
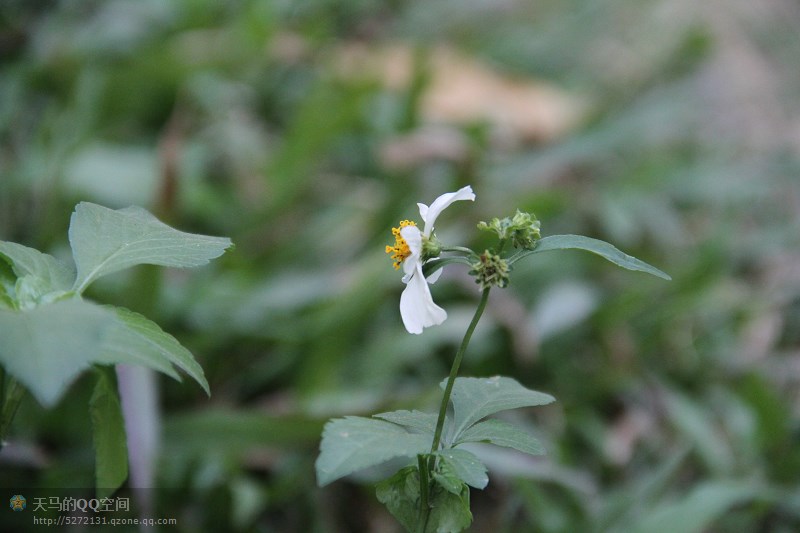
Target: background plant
670	131
51	334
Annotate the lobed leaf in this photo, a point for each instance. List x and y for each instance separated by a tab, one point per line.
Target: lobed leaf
476	398
136	339
465	466
501	433
414	420
353	443
595	246
105	240
46	347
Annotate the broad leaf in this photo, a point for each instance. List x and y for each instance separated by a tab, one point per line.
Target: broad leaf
414	420
48	346
465	466
353	443
601	248
502	433
108	430
54	274
137	340
400	495
477	398
105	240
450	512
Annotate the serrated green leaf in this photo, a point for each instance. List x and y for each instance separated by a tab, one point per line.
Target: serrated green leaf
353	443
105	240
477	398
595	246
465	466
136	339
502	433
53	274
108	432
400	495
47	347
414	420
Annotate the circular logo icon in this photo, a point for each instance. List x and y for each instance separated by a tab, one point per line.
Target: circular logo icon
18	502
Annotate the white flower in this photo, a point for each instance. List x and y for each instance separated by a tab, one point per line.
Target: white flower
416	303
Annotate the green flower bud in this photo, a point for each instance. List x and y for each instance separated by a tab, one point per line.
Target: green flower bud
431	247
522	229
525	230
491	270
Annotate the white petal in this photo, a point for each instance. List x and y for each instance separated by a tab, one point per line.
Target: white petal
416	305
429	214
414	240
423	211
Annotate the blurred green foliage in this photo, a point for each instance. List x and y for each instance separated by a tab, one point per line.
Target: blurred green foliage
677	402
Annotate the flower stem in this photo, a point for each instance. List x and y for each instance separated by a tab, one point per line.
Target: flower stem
424	487
426	467
437	436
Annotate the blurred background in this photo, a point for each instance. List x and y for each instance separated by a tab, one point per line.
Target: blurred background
305	130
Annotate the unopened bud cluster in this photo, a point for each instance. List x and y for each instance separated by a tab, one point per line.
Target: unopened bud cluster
522	229
431	247
490	270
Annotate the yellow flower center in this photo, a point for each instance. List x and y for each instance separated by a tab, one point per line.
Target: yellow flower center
400	249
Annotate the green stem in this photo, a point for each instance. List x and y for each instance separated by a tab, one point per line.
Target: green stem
460	249
501	246
437	436
425	467
424	499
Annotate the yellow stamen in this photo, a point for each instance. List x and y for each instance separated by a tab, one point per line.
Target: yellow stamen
400	250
